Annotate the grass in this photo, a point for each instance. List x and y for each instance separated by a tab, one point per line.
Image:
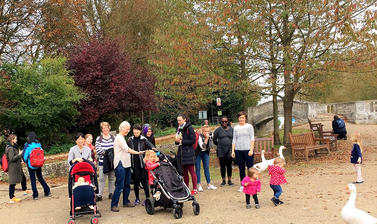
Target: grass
169	131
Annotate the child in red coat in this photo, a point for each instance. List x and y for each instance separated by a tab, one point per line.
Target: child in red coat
251	185
276	172
151	163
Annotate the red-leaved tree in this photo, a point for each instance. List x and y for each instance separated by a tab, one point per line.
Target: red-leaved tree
110	81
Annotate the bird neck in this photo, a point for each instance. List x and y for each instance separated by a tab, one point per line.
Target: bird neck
281	152
351	200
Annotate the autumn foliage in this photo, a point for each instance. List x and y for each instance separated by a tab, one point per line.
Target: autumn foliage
110	81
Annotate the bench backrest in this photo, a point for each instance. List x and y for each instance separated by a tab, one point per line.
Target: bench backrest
302	139
266	144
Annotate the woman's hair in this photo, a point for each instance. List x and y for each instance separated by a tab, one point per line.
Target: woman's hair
103	124
123	125
78	135
137	127
205	128
150	155
251	171
88	135
279	160
356	139
184	116
242	113
145	130
336	117
31	137
11	137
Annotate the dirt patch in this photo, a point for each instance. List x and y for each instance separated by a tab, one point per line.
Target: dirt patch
315	193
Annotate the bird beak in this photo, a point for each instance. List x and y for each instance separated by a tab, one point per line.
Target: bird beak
348	190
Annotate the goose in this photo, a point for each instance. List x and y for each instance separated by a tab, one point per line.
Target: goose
353	215
262	166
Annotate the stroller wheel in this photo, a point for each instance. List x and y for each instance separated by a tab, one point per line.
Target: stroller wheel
177	212
149	205
71	221
196	208
94	220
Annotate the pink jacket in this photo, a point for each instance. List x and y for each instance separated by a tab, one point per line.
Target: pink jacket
149	165
277	175
252	187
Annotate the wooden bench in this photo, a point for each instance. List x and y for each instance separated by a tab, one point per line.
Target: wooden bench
317	129
266	144
307	142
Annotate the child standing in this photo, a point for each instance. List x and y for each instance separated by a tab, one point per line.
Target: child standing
357	157
276	172
251	185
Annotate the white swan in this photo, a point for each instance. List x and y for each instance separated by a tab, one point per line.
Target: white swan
353	215
262	166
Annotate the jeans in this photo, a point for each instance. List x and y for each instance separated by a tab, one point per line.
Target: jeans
202	156
123	181
38	172
225	166
277	190
102	181
12	187
186	169
243	158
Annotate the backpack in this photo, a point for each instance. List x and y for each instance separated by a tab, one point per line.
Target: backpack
340	123
37	157
195	145
4	162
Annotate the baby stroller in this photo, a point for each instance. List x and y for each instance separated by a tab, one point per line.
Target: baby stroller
83	200
169	190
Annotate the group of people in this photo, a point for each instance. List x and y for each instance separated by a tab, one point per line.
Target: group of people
15	173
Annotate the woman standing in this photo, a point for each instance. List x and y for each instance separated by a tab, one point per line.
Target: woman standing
105	142
122	164
139	174
185	138
202	154
79	152
31	144
88	143
15	173
243	145
222	137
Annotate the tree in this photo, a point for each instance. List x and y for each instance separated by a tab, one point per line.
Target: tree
110	81
18	21
40	97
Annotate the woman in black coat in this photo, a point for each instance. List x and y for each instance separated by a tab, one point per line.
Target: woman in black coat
15	173
185	138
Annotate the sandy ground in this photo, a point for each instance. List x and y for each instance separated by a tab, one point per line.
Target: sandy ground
315	194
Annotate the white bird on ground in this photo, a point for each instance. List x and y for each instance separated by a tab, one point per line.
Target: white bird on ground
262	166
353	215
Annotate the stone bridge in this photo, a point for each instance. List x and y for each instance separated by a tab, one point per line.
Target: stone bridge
359	112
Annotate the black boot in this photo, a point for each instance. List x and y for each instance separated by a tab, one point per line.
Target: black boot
275	201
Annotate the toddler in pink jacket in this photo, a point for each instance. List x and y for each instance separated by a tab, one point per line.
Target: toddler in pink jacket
251	185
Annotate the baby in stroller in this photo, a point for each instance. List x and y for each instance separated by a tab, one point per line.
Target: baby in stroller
82	186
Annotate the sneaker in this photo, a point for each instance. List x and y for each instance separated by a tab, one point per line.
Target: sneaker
115	209
129	205
200	189
211	187
27	192
257	206
48	195
14	200
194	192
110	196
98	198
241	189
36	198
280	202
274	200
248	206
230	183
137	202
223	183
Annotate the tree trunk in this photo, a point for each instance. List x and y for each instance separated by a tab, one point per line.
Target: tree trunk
288	106
276	120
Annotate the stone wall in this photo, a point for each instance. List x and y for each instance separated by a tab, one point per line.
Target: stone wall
359	112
